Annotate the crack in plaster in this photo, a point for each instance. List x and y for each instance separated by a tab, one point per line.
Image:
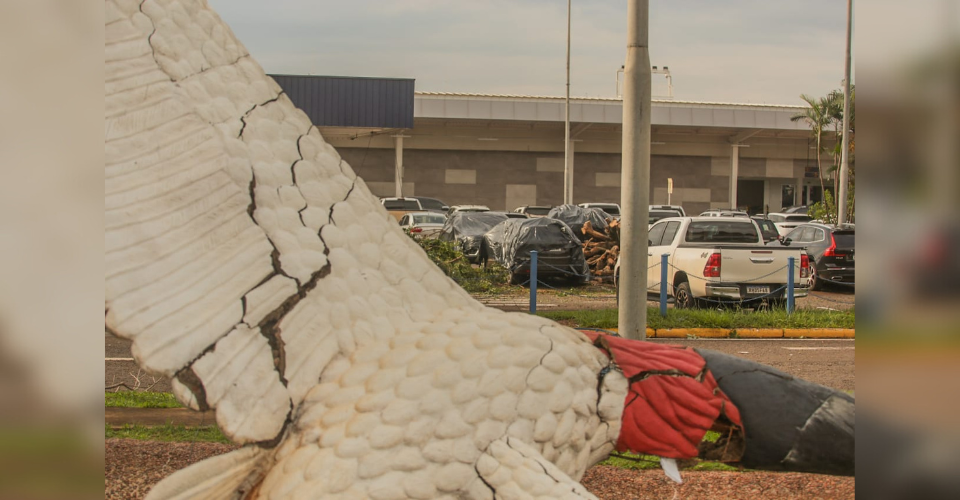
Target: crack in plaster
192	382
153	51
488	485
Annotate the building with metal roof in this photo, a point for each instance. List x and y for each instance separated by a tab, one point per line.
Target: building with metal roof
506	151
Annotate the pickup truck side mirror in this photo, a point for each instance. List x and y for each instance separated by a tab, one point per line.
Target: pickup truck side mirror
785	241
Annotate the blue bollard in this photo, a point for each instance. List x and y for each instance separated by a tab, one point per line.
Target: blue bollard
663	284
533	282
790	261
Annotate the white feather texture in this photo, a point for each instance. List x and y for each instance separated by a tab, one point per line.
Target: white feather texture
246	260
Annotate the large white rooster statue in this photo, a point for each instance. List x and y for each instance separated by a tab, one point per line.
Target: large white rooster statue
248	262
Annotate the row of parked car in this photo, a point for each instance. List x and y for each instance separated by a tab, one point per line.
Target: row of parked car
831	248
509	240
508	237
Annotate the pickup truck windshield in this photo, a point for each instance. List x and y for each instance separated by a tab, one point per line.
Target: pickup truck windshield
721	231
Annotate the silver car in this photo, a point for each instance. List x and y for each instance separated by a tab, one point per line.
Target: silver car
423	224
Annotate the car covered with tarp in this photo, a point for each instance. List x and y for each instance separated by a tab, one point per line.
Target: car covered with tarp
466	230
575	216
559	252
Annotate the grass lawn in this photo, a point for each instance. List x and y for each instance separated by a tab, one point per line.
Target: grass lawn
139	399
169	432
709	318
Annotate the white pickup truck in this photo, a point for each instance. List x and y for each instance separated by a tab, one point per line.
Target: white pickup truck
719	259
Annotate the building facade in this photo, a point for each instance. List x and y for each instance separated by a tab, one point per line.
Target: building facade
508	151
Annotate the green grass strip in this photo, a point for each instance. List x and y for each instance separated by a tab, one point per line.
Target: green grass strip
711	318
645	462
168	433
131	399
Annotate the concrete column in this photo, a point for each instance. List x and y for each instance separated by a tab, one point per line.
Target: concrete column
635	174
567	144
734	172
398	165
841	193
568	169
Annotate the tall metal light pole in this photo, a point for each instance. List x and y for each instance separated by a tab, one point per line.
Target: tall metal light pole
635	176
844	154
567	156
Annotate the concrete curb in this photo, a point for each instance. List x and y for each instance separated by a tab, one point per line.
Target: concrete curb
750	333
117	416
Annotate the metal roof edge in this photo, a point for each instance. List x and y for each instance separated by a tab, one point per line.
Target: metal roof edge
344	77
420	93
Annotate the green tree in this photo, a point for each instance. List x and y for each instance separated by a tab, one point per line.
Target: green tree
818	117
836	114
835	111
822	115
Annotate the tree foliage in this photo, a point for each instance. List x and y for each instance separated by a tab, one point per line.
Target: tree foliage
448	257
826	211
823	114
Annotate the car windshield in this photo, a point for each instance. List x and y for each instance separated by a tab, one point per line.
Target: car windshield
429	219
721	232
798	218
401	205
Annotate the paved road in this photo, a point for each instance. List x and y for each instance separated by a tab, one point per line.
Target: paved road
830	362
827	362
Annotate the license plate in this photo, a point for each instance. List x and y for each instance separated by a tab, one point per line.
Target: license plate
758	289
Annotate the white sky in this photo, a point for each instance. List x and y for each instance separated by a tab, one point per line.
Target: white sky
756	51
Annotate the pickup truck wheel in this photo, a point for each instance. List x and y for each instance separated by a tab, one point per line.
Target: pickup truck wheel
684	298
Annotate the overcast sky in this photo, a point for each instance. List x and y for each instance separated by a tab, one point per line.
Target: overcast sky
755	51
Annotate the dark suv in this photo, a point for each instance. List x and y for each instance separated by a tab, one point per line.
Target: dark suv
831	250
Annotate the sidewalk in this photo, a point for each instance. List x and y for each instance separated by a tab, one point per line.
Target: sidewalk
116	417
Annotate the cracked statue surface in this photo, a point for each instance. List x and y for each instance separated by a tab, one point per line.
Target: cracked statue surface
248	262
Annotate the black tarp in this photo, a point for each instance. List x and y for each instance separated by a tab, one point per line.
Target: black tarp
575	217
559	253
789	423
467	230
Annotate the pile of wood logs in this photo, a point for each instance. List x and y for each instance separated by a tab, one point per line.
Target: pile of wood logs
601	249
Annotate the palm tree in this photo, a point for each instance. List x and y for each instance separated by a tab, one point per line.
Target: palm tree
834	103
818	117
835	110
